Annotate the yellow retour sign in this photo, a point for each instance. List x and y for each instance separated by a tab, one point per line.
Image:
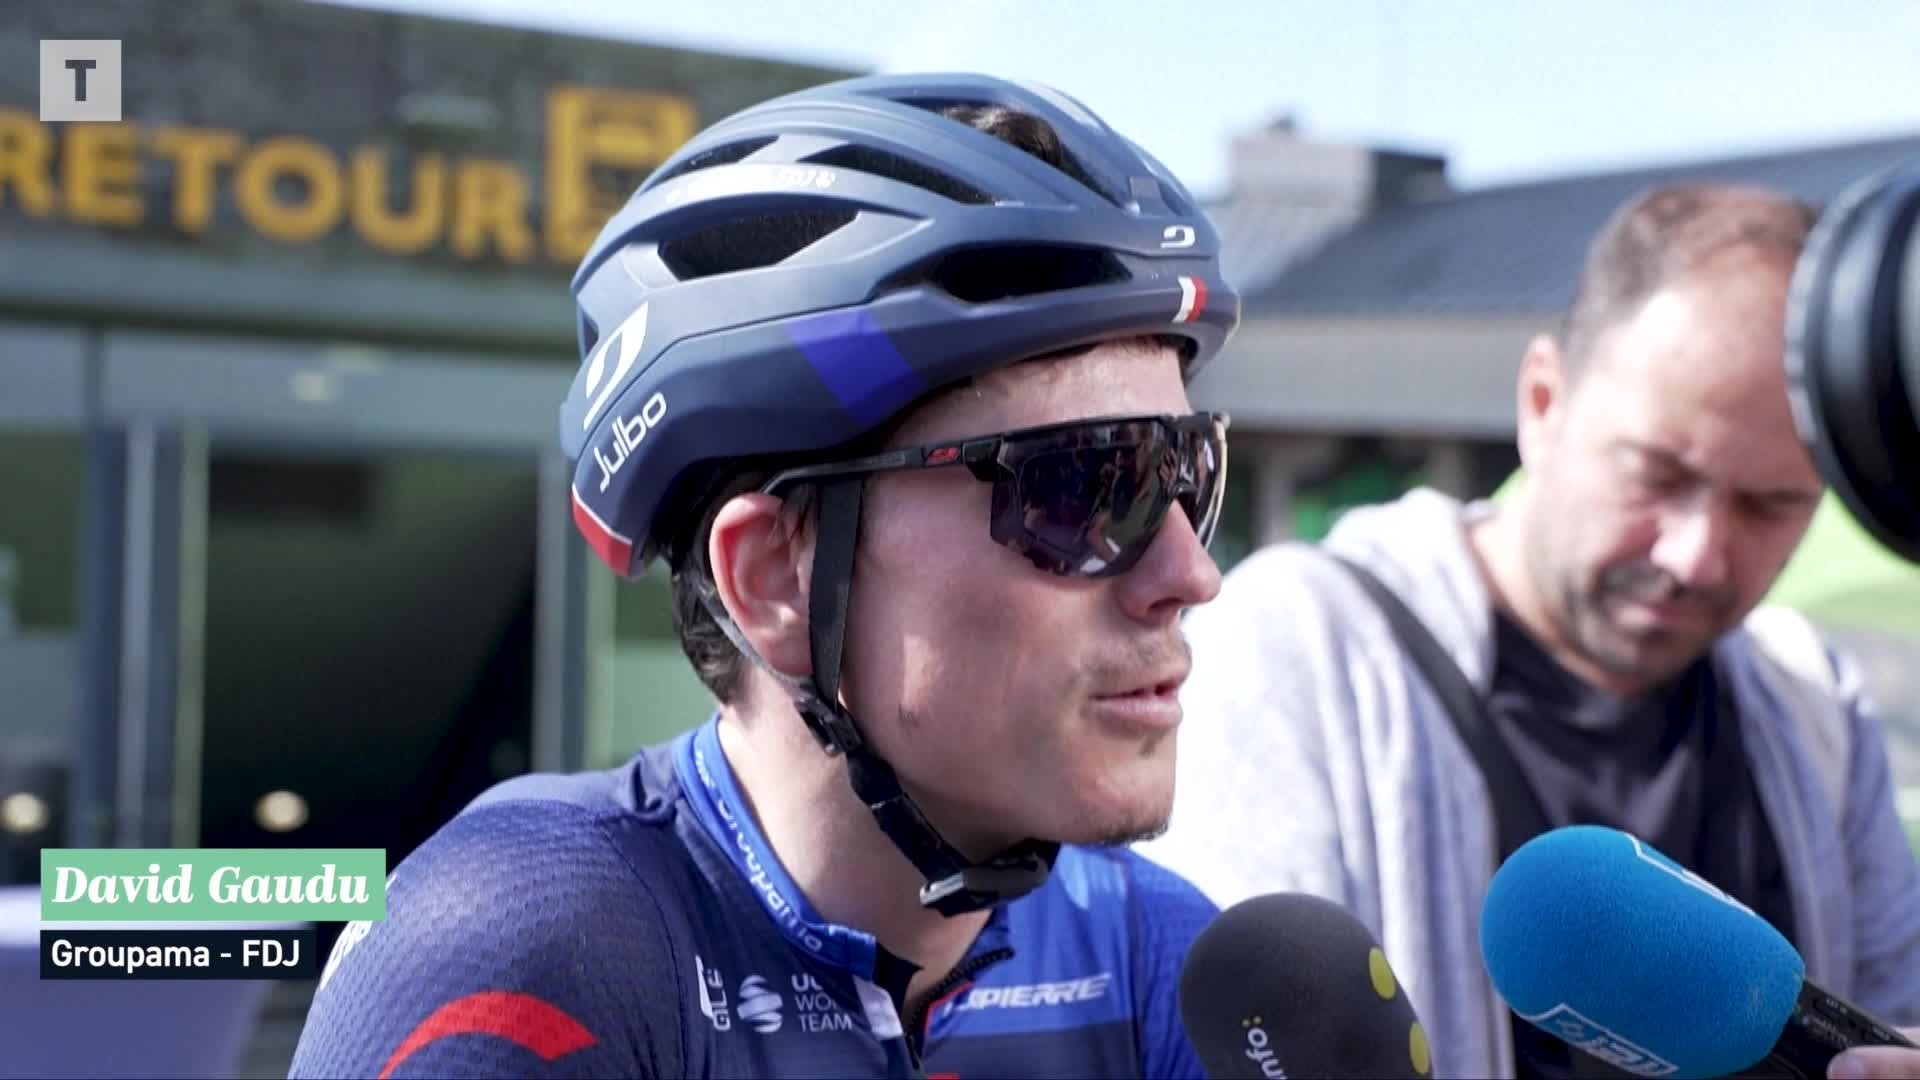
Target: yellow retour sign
89	173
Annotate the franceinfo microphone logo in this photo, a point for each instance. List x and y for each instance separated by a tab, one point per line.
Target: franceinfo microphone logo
79	80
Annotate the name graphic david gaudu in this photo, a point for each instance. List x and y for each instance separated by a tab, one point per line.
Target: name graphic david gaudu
264	898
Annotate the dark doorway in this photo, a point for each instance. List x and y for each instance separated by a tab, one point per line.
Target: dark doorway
369	646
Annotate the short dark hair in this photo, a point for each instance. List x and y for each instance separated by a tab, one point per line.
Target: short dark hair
713	655
1666	233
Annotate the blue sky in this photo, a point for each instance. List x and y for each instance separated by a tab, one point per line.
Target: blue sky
1506	89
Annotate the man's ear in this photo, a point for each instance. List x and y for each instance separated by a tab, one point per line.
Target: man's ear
761	564
1541	395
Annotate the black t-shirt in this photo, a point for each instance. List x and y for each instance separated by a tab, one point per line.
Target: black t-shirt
1667	767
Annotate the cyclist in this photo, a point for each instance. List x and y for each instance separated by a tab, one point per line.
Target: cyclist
865	367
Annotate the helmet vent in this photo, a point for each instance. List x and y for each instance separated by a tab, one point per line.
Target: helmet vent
748	243
589	334
719	155
894	167
983	275
1022	130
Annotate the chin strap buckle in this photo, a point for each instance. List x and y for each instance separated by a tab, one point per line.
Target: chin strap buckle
830	725
1011	874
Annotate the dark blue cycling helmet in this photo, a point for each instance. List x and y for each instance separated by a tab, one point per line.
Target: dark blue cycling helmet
805	270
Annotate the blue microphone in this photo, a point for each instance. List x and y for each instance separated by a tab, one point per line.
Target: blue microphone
1595	937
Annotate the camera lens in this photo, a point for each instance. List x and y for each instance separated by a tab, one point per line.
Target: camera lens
1853	338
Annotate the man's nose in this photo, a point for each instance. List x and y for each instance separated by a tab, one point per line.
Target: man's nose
1174	574
1693	543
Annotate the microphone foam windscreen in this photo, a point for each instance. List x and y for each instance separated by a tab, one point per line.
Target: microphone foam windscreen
1594	936
1293	985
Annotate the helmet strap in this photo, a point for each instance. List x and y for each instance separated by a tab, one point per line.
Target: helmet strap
953	884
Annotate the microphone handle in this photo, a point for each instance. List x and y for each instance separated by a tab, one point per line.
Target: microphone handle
1822	1025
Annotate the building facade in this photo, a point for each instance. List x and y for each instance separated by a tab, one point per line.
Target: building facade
284	549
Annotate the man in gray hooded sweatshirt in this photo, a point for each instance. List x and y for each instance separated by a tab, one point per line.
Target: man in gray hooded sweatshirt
1605	618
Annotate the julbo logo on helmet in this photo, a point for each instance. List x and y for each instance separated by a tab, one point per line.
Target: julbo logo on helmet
627	433
629	337
625	343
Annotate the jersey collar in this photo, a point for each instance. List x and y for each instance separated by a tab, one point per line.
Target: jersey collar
711	789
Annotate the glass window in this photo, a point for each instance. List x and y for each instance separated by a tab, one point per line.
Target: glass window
655	692
43	476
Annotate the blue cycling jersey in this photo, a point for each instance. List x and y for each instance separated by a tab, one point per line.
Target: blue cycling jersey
634	922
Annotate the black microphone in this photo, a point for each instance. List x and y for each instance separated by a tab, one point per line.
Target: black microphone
1292	985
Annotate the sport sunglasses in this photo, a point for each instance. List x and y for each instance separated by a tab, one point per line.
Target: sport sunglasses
1080	499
